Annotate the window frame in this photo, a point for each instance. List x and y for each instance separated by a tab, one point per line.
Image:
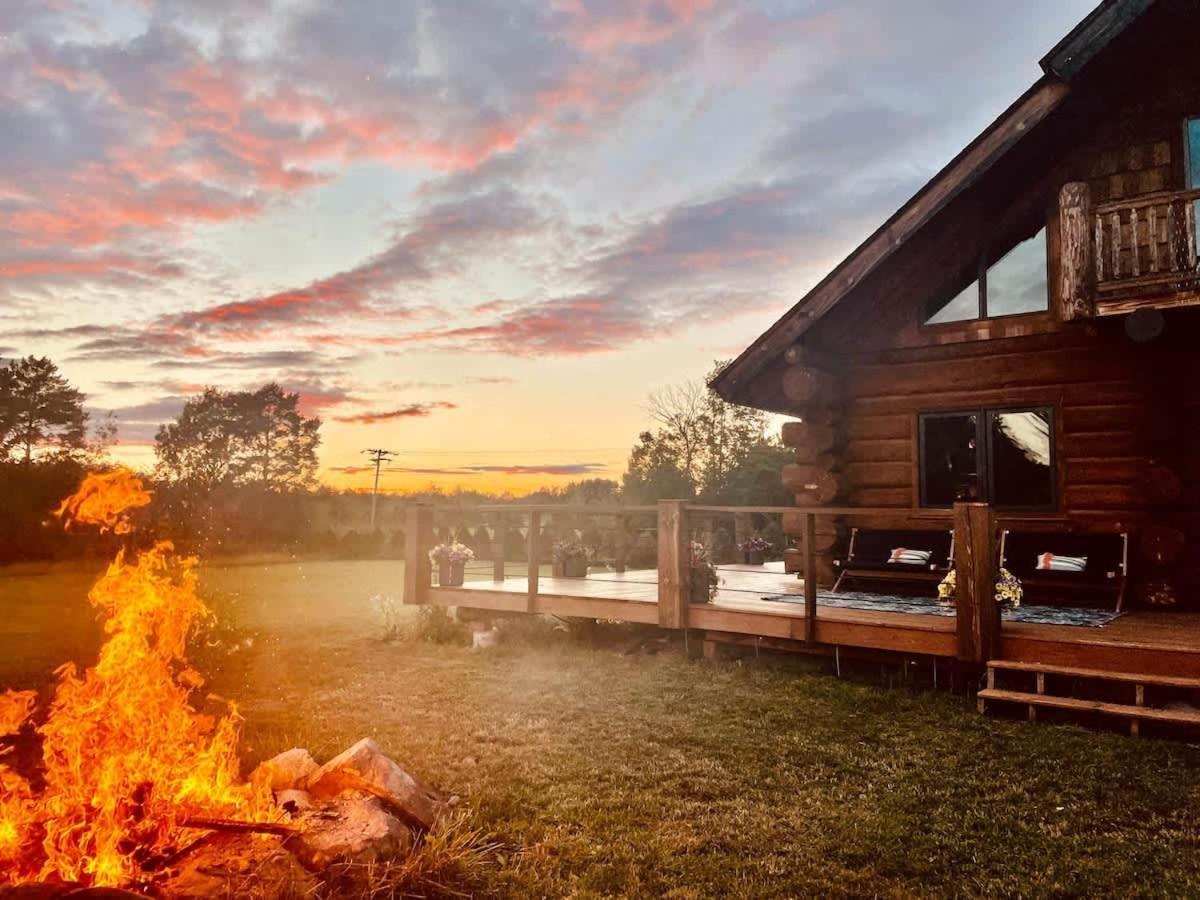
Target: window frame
1189	151
984	464
983	263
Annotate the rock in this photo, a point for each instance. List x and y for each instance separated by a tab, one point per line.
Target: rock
350	830
294	801
365	769
287	770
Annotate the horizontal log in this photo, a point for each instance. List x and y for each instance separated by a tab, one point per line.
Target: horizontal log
817	415
859	475
1093	444
879	451
1103	470
816	486
882	497
811	438
1106	496
804	385
1104	417
893	426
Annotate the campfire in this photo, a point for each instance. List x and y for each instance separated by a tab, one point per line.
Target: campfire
138	785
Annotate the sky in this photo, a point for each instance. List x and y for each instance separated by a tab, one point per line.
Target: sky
475	233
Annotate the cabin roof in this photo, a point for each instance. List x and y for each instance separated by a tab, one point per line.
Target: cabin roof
1061	65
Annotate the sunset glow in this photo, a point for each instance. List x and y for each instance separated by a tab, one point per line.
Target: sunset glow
475	234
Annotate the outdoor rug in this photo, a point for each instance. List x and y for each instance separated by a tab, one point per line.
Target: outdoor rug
927	606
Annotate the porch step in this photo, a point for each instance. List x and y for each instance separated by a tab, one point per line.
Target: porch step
1134	713
1120	710
1098	674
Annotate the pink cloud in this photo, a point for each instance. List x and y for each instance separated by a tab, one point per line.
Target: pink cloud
412	411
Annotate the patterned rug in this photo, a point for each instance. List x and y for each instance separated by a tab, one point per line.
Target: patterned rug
927	606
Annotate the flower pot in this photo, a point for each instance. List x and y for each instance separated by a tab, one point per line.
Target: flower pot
575	567
450	574
699	586
753	557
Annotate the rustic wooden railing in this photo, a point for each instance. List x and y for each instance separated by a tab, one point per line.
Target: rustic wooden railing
1146	243
1119	256
978	617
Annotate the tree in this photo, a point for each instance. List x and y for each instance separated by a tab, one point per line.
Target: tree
255	438
197	449
279	443
39	409
702	447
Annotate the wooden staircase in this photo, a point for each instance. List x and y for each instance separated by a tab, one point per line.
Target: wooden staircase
1134	713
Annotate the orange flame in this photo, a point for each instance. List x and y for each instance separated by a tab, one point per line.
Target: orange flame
126	758
105	499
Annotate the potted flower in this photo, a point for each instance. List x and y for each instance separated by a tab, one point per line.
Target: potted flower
571	559
754	550
451	561
702	574
1008	589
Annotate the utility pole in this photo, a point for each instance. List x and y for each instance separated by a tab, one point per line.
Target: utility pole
379	456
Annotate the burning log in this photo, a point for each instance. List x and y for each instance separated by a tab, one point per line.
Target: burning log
131	772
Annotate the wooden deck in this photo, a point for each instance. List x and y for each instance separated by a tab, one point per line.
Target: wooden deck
1159	643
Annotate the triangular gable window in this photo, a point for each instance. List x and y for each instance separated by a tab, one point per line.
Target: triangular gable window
1014	284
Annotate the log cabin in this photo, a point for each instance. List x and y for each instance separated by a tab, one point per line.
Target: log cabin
1013	352
1025	331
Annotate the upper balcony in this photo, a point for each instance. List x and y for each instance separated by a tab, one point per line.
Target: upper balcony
1128	254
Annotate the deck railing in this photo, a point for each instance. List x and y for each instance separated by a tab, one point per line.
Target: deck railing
977	616
1146	244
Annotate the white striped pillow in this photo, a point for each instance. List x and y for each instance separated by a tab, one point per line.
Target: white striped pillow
904	556
1050	562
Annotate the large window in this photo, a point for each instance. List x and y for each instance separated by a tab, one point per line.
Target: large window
1002	456
1015	283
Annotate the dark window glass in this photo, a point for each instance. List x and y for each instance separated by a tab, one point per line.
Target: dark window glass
1017	282
1021	459
1004	457
949	459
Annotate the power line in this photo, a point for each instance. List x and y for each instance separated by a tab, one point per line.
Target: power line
379	456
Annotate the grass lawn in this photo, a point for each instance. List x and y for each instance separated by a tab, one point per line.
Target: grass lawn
600	774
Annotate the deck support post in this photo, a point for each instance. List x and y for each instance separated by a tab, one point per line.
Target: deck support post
418	540
532	541
674	564
810	577
977	615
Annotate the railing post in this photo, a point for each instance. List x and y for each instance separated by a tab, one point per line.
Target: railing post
418	540
532	541
978	616
621	544
498	547
674	564
810	577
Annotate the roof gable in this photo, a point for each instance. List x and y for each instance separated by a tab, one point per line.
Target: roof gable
1069	56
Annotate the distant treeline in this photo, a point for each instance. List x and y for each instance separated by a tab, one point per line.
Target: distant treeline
236	473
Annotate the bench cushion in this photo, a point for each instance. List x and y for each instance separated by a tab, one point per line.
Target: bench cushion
1104	554
873	548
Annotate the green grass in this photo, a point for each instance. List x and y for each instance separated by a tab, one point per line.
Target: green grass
600	774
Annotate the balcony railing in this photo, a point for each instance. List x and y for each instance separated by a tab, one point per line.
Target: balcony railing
1146	245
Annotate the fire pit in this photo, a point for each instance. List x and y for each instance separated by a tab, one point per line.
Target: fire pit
138	789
